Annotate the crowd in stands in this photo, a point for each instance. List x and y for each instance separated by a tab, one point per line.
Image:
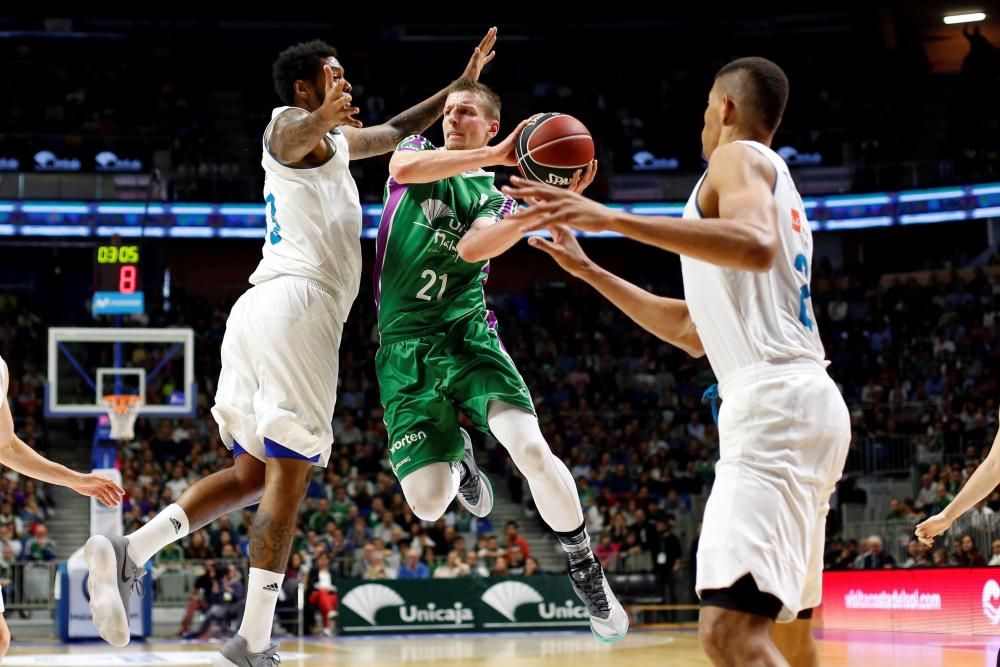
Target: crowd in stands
913	358
141	91
626	414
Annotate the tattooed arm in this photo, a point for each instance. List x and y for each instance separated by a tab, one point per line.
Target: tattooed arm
297	135
383	138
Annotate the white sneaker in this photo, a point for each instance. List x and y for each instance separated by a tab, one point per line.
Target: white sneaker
608	619
112	577
476	493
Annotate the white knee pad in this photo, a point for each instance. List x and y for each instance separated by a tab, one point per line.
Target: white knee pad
430	490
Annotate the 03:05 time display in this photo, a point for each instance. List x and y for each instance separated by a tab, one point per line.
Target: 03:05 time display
118	254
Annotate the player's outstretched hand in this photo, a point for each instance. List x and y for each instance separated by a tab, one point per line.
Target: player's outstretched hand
336	109
483	54
565	249
101	488
550	205
505	152
931	528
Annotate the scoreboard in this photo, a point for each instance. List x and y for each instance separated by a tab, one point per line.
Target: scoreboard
117	284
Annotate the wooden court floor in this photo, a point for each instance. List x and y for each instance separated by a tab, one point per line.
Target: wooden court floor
639	649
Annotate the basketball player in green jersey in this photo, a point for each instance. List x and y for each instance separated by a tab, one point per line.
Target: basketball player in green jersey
440	350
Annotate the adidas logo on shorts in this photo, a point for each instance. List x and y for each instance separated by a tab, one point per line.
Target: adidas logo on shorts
176	524
273	588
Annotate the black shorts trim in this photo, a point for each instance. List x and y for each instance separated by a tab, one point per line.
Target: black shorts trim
743	596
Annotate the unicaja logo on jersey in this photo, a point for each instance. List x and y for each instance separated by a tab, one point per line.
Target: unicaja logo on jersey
368	599
407	439
435	209
991	601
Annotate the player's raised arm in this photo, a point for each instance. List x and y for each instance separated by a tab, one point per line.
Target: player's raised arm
489	237
381	139
743	236
980	484
17	455
667	319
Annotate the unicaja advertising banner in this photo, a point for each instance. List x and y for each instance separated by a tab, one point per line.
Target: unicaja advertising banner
532	603
960	601
406	606
456	605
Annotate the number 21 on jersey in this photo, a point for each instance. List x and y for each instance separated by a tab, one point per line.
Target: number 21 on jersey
432	279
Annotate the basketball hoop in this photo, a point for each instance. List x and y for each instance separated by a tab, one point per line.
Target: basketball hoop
123	410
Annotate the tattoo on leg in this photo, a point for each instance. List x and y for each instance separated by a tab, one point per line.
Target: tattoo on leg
270	541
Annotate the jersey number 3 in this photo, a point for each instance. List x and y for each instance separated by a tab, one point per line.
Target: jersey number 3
274	235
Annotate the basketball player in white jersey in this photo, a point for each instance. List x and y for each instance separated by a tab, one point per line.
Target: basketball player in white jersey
18	456
275	399
784	430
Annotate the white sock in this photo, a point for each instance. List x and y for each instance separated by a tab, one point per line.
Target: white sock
168	526
263	587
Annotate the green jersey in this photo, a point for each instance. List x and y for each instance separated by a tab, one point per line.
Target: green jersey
421	284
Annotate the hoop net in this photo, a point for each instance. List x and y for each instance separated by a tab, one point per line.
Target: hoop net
123	410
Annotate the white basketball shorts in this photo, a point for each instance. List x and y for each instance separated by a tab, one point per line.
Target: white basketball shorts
784	434
278	384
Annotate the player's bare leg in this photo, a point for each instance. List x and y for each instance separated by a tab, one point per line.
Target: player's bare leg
224	491
738	639
116	564
286	481
795	641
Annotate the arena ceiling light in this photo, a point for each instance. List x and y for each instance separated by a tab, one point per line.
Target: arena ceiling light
970	17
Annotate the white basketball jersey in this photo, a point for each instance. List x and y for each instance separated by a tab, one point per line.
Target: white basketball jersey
313	221
745	318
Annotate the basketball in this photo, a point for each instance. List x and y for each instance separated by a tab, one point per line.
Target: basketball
552	147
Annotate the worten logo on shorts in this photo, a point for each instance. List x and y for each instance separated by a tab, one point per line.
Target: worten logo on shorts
508	596
368	599
407	439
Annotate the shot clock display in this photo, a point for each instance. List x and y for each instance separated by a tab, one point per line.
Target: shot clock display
117	288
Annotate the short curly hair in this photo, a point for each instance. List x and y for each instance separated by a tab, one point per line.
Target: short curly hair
301	61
